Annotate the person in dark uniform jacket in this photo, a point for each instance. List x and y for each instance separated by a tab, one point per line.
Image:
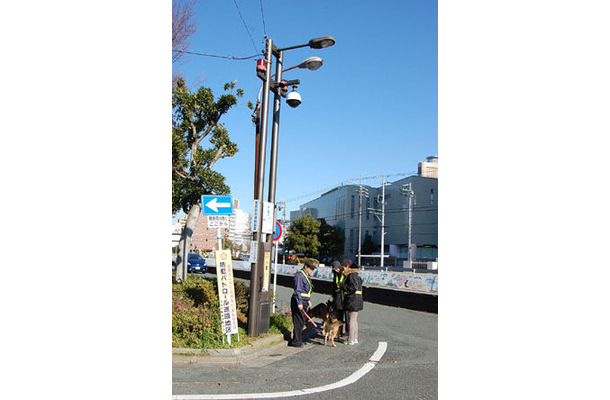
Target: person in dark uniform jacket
338	279
352	299
301	301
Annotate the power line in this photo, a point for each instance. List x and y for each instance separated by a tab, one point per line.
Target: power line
348	181
217	55
263	16
420	210
345	215
245	26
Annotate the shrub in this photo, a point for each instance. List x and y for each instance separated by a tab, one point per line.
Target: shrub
280	323
196	321
195	314
197	327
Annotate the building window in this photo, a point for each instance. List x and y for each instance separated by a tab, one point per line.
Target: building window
352	206
340	208
431	197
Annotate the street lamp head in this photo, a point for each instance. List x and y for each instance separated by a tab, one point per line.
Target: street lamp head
317	43
322	42
312	63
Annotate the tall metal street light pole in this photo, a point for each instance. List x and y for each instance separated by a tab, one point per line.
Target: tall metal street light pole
259	306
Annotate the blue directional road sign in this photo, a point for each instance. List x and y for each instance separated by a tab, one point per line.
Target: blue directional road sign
216	204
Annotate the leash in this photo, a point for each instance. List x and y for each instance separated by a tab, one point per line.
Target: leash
310	320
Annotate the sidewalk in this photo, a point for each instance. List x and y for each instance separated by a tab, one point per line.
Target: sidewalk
238	355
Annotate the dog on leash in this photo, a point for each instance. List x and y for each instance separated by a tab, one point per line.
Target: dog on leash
326	312
321	310
331	328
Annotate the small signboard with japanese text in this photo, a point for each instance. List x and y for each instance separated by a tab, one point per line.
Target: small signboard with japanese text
226	292
266	270
253	251
255	217
268	221
218	221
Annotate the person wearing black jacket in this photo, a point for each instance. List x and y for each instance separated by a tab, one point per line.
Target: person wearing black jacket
338	279
352	299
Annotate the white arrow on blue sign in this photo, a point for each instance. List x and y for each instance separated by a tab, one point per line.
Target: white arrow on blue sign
216	205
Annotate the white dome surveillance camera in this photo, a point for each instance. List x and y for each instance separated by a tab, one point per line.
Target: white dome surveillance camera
294	98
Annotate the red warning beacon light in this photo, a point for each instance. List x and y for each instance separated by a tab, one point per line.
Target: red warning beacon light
261	65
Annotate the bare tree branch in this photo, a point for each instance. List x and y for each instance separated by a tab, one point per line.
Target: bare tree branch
183	26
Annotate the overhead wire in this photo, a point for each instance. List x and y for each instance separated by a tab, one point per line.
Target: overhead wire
217	55
345	215
245	25
352	181
263	17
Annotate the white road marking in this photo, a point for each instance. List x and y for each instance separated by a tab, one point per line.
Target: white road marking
369	365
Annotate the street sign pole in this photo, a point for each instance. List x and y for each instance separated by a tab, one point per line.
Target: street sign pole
257	297
274	276
276	241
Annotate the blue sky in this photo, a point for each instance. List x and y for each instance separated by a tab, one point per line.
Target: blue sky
371	109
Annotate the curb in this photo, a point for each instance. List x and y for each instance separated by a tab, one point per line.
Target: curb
227	356
238	355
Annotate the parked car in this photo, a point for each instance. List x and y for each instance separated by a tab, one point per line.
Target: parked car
196	263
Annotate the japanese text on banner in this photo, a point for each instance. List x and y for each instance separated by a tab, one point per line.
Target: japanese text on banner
226	292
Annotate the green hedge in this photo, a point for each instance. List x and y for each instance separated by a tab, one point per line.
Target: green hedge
196	319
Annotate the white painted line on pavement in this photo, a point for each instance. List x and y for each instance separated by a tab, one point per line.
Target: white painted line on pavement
369	365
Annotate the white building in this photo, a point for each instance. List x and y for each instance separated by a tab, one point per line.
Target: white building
177	231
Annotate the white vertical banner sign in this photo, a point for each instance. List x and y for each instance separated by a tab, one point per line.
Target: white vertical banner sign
268	218
226	293
253	251
256	214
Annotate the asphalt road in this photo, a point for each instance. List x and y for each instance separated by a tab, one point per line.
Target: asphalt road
408	369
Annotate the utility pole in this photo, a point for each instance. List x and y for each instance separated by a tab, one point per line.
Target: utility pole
382	219
376	213
362	192
407	191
